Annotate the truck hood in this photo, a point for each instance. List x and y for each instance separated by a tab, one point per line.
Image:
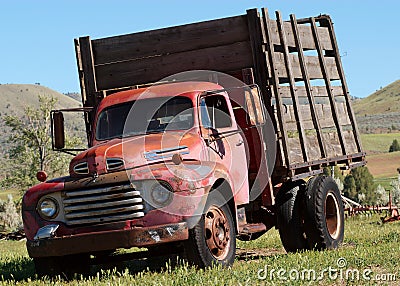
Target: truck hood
132	152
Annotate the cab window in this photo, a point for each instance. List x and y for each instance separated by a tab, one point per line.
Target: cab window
215	112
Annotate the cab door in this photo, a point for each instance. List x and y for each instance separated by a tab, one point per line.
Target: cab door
225	141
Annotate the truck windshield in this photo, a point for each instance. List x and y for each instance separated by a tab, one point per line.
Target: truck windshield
144	116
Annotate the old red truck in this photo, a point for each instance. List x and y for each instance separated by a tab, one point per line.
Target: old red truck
197	135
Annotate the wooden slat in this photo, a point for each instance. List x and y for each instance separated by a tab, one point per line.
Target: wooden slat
275	82
305	34
333	144
342	113
297	114
313	67
223	59
323	112
327	79
350	141
171	40
317	91
307	84
328	22
331	140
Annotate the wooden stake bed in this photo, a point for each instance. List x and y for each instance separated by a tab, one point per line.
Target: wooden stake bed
295	63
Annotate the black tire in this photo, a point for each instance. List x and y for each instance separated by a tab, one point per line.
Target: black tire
213	239
65	266
290	218
47	266
324	217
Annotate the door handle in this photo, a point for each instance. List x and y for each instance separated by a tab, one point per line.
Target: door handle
239	143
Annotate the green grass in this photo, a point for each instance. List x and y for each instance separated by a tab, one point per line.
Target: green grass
384	100
378	143
367	245
385	182
13	192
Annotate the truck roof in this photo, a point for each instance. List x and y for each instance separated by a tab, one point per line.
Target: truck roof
189	89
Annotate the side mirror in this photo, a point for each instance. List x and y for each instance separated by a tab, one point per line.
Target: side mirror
58	130
254	106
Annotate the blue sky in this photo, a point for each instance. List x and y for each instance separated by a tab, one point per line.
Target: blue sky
36	42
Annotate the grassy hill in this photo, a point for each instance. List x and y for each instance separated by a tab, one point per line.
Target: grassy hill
385	100
16	97
378	143
379	112
382	164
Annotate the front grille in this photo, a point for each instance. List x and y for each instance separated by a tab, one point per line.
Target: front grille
91	206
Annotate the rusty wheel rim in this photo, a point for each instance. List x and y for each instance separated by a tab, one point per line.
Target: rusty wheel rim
332	216
217	232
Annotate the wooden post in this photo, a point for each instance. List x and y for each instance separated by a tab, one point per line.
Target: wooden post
258	50
87	79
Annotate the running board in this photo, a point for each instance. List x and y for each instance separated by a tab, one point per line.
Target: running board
252	231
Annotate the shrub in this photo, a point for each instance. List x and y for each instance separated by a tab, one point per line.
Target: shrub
10	218
395	146
359	186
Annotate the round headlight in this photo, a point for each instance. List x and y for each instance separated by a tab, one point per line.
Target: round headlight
161	194
48	208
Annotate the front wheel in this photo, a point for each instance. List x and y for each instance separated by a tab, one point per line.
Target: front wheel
66	266
324	219
212	240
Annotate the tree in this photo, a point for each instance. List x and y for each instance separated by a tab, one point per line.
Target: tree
360	181
395	184
327	171
31	146
350	190
395	146
383	195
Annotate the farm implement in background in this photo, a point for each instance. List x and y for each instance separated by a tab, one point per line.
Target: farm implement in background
353	208
391	211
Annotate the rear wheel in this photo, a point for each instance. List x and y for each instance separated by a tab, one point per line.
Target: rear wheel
324	220
213	239
289	217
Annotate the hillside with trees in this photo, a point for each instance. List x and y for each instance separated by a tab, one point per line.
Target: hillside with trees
25	122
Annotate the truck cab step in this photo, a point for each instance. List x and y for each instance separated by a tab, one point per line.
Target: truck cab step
252	231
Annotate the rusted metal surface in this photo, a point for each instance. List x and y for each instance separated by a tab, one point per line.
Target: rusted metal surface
217	232
107	240
391	212
394	216
100	205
